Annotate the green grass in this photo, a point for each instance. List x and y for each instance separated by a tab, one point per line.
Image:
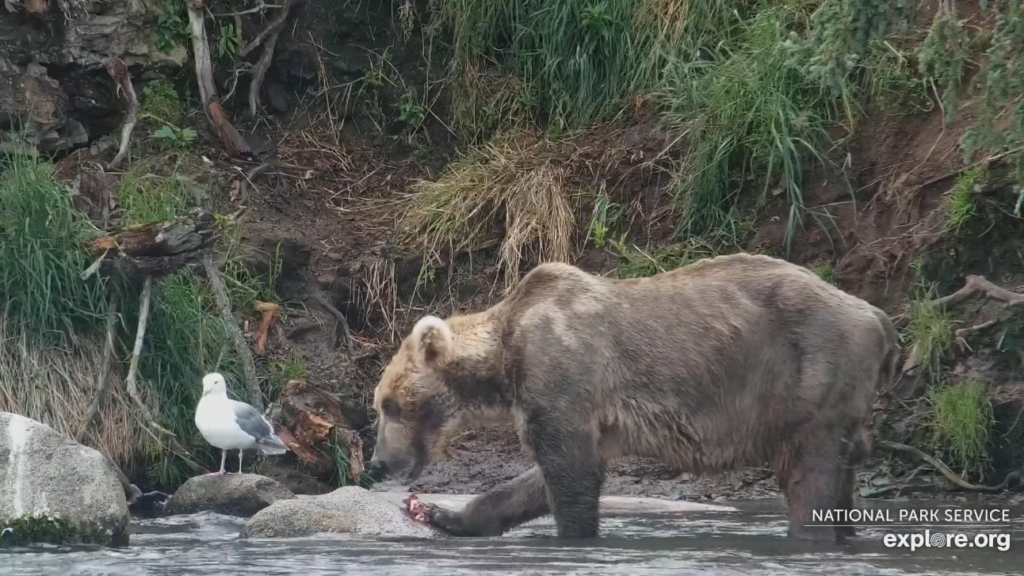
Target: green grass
960	205
961	421
582	60
146	198
43	253
161	101
281	371
636	263
752	118
824	270
931	332
754	86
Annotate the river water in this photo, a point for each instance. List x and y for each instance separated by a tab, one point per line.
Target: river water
750	542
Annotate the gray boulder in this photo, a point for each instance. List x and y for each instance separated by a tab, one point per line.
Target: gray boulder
53	489
231	494
347	510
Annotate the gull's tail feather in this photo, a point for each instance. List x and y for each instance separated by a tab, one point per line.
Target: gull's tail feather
272	445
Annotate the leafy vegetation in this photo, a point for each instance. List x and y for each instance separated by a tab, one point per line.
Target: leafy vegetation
42	256
636	263
931	332
43	241
960	205
961	421
825	271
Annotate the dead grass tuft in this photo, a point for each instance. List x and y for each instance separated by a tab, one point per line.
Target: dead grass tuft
56	386
513	193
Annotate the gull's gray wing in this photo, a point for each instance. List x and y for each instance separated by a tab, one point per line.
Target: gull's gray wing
252	422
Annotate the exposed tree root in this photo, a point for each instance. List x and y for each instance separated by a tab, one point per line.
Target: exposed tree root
268	38
260	8
232	140
123	83
978	286
342	322
133	387
248	365
949	474
974	287
272	29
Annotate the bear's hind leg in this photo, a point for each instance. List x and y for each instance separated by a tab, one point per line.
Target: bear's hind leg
845	501
858	449
574	473
498	510
813	475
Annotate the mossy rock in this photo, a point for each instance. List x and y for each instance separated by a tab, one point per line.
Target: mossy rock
55	490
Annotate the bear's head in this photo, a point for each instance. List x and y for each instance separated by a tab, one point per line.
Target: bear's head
444	372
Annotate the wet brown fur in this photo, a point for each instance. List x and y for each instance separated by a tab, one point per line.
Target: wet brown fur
732	361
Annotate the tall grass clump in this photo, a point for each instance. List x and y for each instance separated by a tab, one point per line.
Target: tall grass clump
43	241
961	422
931	331
751	116
583	59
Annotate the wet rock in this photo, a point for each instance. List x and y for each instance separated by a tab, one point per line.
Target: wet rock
347	510
231	494
53	489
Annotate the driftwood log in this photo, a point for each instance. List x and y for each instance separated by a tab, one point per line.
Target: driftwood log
314	424
156	249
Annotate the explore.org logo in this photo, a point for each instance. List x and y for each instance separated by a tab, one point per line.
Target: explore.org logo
929	539
918	528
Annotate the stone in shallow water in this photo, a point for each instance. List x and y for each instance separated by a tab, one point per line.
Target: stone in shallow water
347	510
53	489
231	494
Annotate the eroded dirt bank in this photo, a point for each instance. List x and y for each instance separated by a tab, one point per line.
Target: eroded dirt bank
354	117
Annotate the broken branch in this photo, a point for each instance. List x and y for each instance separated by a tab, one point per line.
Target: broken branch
233	142
101	379
133	387
123	82
224	302
259	72
155	249
272	30
260	8
949	474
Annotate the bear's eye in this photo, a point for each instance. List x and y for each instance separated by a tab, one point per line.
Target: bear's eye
391	408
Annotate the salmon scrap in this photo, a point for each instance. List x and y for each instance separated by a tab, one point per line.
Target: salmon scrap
419	511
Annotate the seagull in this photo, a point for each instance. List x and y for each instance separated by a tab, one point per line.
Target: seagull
232	425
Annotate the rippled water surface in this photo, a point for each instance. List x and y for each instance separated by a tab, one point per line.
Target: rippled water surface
751	542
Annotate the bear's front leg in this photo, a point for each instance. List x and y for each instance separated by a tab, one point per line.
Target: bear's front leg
498	510
573	471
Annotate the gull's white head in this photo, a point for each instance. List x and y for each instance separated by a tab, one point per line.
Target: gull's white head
213	383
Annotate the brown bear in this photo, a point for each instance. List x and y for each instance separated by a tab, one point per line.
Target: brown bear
731	361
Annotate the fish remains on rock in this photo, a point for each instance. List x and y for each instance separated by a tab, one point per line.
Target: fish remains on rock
232	425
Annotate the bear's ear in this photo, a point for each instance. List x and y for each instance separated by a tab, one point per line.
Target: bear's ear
433	338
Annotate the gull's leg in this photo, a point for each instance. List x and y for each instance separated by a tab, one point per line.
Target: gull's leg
240	452
223	461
